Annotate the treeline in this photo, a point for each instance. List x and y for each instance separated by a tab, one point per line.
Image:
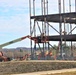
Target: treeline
55	50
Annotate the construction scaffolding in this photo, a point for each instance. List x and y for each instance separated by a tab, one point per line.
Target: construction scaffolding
42	27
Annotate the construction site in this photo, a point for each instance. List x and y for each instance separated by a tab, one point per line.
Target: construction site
52	40
62	24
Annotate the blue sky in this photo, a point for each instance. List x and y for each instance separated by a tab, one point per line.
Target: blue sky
14	20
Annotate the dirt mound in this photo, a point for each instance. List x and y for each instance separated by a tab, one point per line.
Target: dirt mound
25	67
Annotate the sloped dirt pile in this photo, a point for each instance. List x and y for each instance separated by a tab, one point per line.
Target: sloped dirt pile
25	67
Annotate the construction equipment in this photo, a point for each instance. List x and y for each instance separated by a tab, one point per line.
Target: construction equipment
13	41
39	39
2	57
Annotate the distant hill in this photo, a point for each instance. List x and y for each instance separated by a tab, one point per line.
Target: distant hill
17	49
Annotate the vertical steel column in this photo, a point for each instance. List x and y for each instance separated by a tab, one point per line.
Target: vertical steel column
75	5
60	27
70	5
48	26
34	29
44	7
63	6
64	26
70	27
33	7
31	31
64	12
30	28
64	18
44	26
42	12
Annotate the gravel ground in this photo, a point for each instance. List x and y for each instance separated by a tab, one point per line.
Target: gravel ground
17	67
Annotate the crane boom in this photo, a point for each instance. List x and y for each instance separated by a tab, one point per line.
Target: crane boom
13	41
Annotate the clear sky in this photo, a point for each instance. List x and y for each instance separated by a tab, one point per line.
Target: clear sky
14	20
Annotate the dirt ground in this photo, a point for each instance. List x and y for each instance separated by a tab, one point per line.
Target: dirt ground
17	67
53	72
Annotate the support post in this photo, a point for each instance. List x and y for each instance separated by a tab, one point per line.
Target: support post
60	28
75	5
30	27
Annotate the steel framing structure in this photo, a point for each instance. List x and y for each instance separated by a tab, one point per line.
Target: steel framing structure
44	26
